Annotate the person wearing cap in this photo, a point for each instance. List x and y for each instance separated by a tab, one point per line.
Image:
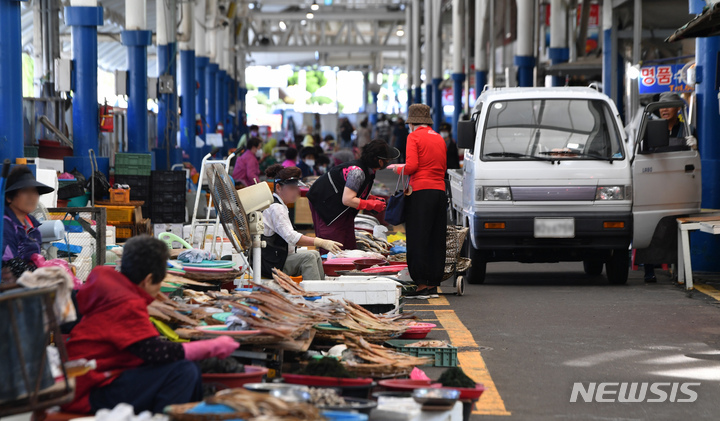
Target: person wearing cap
453	156
307	161
337	197
680	135
426	205
21	236
280	235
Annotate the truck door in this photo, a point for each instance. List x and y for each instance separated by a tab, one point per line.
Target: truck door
666	176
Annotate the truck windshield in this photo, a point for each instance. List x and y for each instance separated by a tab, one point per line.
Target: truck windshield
557	129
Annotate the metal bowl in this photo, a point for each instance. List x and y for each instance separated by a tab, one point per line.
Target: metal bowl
291	395
436	397
269	387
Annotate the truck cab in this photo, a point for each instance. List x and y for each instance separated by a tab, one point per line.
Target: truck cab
550	176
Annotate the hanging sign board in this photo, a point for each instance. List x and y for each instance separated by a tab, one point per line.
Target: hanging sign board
662	78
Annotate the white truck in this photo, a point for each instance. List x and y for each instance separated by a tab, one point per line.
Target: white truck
549	176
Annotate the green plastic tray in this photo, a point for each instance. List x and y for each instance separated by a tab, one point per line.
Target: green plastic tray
444	357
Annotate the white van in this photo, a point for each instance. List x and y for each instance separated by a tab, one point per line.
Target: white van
550	176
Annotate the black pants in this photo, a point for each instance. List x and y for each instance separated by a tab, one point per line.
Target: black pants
151	387
426	229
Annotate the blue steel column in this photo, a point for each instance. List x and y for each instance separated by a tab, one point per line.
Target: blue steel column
439	112
11	120
167	106
418	94
220	91
84	22
526	66
562	55
137	43
201	64
428	93
211	109
187	118
705	248
242	110
480	81
458	79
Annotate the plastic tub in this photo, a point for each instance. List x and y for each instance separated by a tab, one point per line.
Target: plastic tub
252	374
352	388
79	201
418	331
330	267
361	264
407	385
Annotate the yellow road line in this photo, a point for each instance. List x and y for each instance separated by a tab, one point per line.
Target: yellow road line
472	363
440	301
708	290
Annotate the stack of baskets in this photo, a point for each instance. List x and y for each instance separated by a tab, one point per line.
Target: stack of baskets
167	201
134	170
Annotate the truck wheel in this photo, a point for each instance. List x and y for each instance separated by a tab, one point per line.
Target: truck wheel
476	274
617	266
593	267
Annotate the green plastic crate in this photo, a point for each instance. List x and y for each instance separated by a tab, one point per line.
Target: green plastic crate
444	357
133	164
31	151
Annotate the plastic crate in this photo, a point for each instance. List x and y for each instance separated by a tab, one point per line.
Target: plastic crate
168	198
31	151
125	231
164	177
139	185
133	164
165	217
444	357
119	196
122	214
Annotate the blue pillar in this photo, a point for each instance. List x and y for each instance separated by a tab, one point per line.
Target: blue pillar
526	67
429	94
615	92
705	248
137	43
211	107
480	82
242	115
458	79
187	118
438	112
201	64
220	99
410	96
167	65
418	95
11	119
562	55
373	118
84	22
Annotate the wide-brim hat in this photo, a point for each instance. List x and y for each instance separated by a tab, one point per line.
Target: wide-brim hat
26	181
390	154
670	97
419	114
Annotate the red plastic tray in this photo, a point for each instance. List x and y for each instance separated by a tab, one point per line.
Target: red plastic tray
418	331
402	385
318	381
385	269
467	393
229	381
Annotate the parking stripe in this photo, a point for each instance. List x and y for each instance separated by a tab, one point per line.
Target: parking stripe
472	363
708	290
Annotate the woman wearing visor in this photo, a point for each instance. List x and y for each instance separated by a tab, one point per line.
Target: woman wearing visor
280	234
336	197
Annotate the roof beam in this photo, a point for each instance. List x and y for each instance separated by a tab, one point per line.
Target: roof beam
380	15
341	48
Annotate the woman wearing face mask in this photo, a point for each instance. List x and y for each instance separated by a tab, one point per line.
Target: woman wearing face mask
307	162
21	237
453	156
253	131
426	206
336	197
321	164
247	167
282	238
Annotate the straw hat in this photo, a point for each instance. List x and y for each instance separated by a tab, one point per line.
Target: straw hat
419	114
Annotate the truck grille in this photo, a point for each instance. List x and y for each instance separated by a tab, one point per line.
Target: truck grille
553	194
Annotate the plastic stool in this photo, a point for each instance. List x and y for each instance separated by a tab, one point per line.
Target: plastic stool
169	238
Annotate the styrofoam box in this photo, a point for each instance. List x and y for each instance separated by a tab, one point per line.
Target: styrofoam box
50	164
359	290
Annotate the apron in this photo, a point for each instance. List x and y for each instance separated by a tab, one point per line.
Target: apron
274	254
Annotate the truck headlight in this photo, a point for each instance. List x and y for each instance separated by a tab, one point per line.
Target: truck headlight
610	193
496	193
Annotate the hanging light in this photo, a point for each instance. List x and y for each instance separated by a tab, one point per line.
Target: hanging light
400	31
282	25
310	15
315	7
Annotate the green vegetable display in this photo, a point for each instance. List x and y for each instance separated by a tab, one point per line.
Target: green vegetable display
455	377
326	367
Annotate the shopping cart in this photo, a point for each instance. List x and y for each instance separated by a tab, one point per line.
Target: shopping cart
455	265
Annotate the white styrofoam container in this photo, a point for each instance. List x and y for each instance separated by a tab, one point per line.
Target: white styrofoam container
359	290
50	164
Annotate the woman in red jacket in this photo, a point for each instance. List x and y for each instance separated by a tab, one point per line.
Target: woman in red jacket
426	206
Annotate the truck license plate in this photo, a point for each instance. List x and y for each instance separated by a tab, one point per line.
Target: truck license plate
554	227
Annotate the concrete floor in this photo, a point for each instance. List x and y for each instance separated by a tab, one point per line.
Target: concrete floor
537	329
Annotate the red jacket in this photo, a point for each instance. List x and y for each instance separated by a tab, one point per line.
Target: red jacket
426	160
115	316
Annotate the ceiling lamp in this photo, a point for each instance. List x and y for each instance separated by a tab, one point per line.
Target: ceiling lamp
315	7
400	31
310	15
282	25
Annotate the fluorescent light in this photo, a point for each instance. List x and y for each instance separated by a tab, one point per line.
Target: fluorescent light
400	31
315	7
310	15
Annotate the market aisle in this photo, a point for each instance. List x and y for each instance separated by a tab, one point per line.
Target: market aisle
538	329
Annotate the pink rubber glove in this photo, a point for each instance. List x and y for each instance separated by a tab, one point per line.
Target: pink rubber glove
373	205
220	347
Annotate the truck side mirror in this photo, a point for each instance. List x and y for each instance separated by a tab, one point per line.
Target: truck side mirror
656	135
466	134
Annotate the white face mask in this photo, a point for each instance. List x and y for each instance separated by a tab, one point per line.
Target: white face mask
259	153
322	170
445	135
310	162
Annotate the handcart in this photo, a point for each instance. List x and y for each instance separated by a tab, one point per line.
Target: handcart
455	265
